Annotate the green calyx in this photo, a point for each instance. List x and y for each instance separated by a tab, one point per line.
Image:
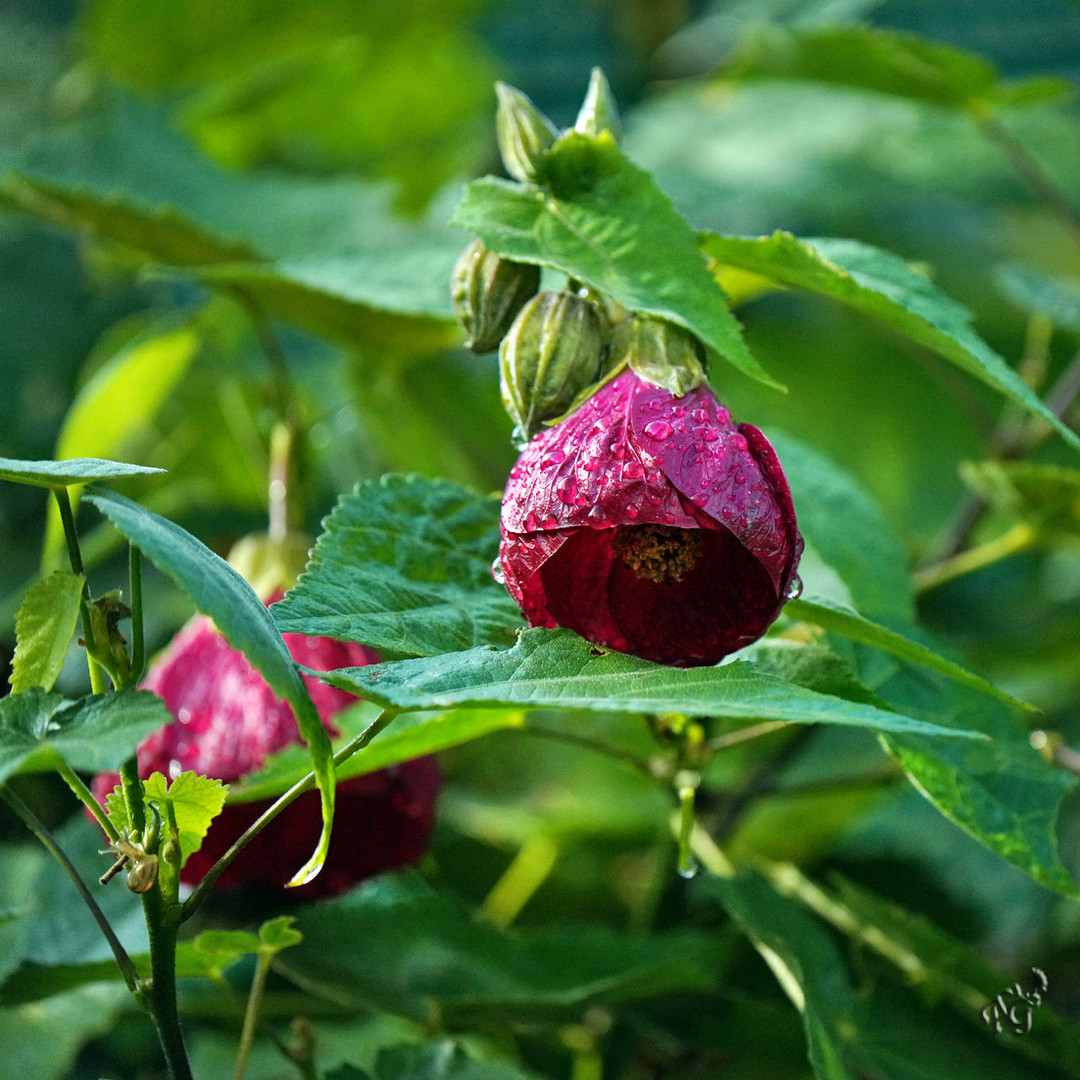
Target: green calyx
662	352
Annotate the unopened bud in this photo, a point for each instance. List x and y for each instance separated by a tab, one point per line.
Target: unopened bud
552	352
598	111
663	352
525	134
488	291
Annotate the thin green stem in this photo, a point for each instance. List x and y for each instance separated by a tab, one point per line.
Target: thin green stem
1019	538
71	536
251	1015
41	831
162	924
133	795
202	890
138	648
86	797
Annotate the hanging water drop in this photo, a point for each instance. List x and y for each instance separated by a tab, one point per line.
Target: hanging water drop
794	590
497	571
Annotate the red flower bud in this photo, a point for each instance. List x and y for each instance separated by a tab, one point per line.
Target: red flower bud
651	524
228	721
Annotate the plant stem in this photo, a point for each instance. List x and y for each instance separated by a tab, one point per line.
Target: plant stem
41	831
202	890
138	647
71	535
1017	539
162	923
251	1014
86	797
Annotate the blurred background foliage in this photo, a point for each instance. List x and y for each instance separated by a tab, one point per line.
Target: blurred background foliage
215	214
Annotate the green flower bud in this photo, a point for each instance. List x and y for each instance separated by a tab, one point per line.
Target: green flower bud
552	352
488	291
598	111
525	135
663	352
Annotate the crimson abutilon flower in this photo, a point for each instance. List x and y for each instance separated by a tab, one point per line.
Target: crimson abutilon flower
652	524
228	720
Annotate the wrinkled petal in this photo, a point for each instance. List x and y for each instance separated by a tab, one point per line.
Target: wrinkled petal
636	456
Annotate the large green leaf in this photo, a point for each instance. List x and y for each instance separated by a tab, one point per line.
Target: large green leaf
556	668
1000	790
443	1060
841	619
221	593
846	529
398	942
44	627
602	220
884	287
65	473
886	61
404	565
91	733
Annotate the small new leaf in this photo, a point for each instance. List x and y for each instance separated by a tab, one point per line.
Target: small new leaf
44	627
194	802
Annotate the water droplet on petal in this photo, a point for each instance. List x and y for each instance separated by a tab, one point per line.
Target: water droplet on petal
658	429
739	478
669	519
794	590
618	452
700	415
723	415
709	435
598	516
633	470
530	522
591	465
699	499
631	512
678	411
567	490
656	500
739	443
497	571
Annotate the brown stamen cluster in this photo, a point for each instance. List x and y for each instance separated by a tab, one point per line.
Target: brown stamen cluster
658	552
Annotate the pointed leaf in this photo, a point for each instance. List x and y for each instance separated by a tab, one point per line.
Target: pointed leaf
221	593
883	286
92	734
404	565
44	627
602	220
840	619
64	473
556	668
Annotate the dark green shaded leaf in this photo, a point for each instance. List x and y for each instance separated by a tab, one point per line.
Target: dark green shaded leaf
64	473
559	669
405	565
221	593
602	220
91	734
443	1060
840	619
398	942
885	61
883	286
846	529
1055	298
44	627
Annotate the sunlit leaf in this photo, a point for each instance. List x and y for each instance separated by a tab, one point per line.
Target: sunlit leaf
44	627
66	473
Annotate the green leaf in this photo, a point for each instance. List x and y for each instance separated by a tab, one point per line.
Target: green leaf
64	473
43	629
397	942
194	801
846	529
404	565
1058	299
886	61
556	668
602	220
840	619
280	933
443	1060
221	593
883	286
1000	791
410	736
91	734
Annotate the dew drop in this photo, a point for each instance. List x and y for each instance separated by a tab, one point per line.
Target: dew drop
678	412
618	452
658	429
794	590
631	512
739	478
723	415
709	435
591	465
581	500
634	470
689	869
669	519
699	499
550	522
598	515
530	521
700	415
739	443
567	490
497	571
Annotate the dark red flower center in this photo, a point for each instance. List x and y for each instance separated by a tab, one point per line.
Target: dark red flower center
658	553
